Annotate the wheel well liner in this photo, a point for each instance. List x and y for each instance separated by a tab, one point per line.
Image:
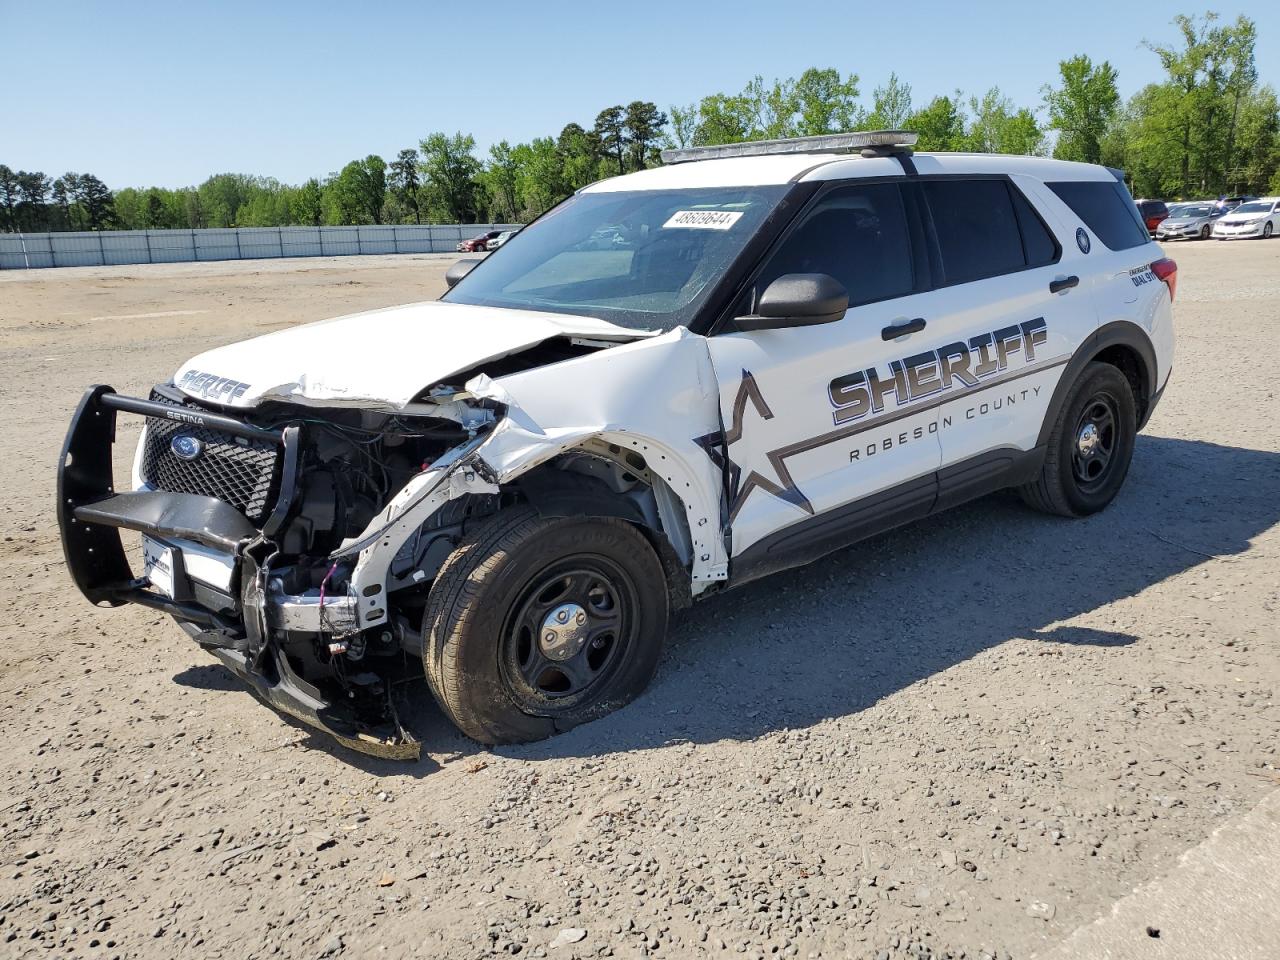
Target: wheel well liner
1125	346
556	492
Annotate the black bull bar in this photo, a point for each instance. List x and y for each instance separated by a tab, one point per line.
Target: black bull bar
91	515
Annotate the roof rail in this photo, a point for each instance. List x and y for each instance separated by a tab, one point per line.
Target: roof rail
870	142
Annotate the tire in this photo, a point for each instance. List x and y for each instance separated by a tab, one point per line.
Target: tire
1075	481
1204	232
495	601
1266	230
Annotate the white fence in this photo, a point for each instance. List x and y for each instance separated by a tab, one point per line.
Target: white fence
100	248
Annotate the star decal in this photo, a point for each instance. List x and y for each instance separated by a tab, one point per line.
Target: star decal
717	444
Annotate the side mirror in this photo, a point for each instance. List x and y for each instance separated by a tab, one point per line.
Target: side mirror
459	270
798	300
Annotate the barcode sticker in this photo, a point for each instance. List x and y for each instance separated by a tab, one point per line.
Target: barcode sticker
703	219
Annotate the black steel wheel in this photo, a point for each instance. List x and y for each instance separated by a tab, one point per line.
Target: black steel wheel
1090	445
1095	441
536	624
570	629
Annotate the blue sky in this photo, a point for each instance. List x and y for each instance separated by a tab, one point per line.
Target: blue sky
145	93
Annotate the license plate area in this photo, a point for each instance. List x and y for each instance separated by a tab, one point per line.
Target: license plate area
160	565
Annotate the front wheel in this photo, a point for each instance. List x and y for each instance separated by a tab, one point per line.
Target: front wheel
1266	230
1090	446
537	624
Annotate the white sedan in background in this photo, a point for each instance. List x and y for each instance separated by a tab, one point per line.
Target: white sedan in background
500	239
1257	219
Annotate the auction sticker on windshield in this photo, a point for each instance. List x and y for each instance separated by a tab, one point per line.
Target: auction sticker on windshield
703	219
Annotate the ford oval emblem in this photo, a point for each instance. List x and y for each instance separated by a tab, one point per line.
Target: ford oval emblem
186	448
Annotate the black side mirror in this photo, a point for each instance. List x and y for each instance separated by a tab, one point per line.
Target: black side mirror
798	300
459	270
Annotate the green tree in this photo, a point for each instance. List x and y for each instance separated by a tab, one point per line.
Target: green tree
611	131
643	125
306	204
1083	108
501	181
96	200
825	103
1000	127
891	105
541	179
940	125
450	167
10	197
580	157
360	190
405	183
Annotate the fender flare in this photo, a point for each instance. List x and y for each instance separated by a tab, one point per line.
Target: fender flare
1119	333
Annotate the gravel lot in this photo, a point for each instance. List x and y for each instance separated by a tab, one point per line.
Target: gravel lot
968	738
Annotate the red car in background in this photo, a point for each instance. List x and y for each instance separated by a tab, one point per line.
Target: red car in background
478	244
1153	213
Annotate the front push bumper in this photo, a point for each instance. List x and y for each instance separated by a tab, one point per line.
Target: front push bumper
238	626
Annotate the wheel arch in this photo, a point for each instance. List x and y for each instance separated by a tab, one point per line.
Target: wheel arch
1121	344
612	478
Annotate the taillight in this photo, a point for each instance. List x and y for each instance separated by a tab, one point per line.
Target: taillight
1167	270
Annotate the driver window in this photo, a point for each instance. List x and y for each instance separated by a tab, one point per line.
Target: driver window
857	234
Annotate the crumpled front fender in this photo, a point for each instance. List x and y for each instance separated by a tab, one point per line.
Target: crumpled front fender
657	397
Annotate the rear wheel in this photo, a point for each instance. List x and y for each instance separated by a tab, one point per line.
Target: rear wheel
1090	446
1204	232
538	624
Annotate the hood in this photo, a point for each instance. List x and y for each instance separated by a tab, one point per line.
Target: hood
382	359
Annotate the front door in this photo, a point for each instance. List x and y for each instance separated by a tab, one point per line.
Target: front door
819	420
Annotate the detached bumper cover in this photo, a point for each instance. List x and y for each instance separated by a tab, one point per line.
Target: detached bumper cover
91	515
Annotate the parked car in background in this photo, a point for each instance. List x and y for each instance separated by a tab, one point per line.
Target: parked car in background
501	238
1154	212
478	244
1189	221
1226	204
1255	220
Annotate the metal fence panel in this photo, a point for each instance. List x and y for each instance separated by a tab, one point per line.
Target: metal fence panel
107	247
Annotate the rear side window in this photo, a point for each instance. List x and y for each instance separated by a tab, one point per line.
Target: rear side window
977	229
1107	209
857	234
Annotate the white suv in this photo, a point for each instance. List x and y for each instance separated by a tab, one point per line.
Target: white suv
785	347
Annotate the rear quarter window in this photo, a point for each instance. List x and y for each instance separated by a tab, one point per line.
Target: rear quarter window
1107	209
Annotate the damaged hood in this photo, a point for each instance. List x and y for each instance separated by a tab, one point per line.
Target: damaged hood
381	359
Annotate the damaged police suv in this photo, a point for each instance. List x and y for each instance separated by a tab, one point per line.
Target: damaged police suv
673	383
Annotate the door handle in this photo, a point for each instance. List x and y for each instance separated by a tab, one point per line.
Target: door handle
1063	283
895	330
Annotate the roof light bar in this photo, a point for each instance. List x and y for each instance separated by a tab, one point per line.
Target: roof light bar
827	143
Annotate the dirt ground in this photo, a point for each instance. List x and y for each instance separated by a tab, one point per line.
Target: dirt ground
966	739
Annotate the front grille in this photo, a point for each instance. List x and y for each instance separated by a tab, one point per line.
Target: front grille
241	472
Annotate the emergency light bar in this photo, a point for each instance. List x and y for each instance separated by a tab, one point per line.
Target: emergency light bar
874	141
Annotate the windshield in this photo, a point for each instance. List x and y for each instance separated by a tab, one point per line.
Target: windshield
1188	212
1257	206
644	259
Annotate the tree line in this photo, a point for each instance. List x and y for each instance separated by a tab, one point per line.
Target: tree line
1207	127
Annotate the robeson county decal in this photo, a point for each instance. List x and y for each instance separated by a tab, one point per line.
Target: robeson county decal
866	399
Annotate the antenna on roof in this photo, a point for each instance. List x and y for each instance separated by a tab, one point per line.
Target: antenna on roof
872	143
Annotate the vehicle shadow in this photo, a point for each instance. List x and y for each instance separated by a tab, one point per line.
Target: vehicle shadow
835	637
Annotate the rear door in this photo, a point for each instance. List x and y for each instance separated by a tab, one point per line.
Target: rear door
820	419
1007	310
1116	260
